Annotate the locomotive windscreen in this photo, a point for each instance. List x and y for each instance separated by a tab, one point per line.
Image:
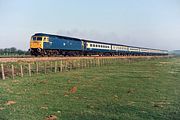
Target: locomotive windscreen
37	38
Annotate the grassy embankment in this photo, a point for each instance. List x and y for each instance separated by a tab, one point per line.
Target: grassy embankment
131	90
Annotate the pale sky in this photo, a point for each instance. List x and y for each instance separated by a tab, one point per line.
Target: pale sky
146	23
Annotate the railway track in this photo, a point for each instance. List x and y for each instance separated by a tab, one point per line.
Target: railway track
33	59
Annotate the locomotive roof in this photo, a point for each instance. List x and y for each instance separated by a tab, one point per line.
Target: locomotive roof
78	39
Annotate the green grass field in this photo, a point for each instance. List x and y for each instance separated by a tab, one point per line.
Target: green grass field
128	90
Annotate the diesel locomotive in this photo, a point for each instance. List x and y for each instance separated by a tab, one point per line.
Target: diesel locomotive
52	45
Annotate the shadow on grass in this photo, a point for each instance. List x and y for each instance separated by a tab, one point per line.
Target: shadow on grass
120	112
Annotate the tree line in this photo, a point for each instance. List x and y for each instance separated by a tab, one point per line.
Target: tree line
13	51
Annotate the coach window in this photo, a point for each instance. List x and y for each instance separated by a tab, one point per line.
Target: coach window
96	45
90	45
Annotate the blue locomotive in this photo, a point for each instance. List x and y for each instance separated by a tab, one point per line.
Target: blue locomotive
51	45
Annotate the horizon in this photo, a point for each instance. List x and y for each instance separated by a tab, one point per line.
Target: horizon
150	24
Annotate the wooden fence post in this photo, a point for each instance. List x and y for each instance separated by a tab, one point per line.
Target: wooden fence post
92	63
55	67
98	62
12	67
29	68
37	68
66	66
61	66
45	68
81	63
51	66
2	70
87	63
103	61
78	64
69	65
84	62
74	64
21	67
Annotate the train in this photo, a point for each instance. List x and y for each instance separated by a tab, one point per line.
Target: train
42	44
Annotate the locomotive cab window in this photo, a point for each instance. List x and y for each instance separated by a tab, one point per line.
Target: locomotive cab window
39	38
33	38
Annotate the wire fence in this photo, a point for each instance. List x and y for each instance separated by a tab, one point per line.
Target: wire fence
22	69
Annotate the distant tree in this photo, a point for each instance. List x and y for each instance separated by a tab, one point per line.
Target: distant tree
13	51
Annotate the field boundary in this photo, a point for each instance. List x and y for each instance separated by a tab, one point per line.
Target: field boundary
30	68
22	69
34	59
